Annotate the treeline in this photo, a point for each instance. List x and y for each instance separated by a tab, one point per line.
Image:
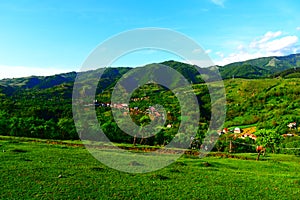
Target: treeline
47	113
38	128
41	113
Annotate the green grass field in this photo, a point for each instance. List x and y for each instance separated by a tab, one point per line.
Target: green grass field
37	170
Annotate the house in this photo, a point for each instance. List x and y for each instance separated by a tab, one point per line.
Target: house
292	125
237	130
220	132
249	135
288	135
225	130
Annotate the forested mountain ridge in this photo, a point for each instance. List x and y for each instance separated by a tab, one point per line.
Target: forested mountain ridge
255	68
260	67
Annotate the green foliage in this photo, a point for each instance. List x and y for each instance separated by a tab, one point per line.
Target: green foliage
243	71
222	143
67	129
191	73
289	73
268	138
261	67
42	106
268	103
290	145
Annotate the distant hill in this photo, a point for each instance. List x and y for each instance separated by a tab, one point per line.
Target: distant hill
243	71
289	73
260	67
110	76
274	66
39	82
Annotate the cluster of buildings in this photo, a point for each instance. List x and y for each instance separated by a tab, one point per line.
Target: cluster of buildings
250	133
151	110
154	113
239	133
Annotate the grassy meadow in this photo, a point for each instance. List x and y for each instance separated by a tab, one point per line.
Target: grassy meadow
40	170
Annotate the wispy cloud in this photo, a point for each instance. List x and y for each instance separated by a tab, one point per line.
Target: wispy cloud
270	44
268	36
218	2
208	51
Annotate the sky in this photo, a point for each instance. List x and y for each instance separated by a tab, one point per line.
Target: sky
53	36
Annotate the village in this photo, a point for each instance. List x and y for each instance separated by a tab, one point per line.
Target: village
250	132
247	132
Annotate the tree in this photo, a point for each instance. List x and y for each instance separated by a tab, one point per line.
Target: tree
268	138
143	123
4	123
67	129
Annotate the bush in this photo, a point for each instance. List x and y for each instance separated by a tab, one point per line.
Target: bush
291	148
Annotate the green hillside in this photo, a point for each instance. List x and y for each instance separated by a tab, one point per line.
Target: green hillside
270	102
289	73
260	67
255	68
42	106
243	71
47	113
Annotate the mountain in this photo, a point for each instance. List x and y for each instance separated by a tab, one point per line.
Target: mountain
39	82
16	85
289	73
243	71
273	66
108	79
260	67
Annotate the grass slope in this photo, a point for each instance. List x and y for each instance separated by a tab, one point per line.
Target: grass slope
272	101
43	171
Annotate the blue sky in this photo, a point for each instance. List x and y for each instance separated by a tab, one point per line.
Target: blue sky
53	36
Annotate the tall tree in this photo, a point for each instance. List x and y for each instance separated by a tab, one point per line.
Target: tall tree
268	138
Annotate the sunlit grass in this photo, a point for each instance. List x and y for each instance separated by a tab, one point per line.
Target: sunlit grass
32	170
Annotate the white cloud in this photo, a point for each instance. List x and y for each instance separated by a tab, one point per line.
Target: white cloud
298	28
208	51
268	36
218	2
280	44
23	71
270	44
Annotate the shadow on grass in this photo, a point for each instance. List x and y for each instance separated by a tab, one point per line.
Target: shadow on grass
19	151
97	169
159	177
